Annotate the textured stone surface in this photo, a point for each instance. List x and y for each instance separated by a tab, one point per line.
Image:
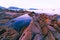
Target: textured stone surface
42	27
29	27
8	33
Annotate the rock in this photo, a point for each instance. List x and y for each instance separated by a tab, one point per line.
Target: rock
50	36
2	31
19	22
8	34
58	20
38	37
28	33
29	26
3	22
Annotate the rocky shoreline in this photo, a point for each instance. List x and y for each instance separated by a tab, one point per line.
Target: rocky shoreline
33	26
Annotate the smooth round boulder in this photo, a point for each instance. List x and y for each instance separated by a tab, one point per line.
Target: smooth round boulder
20	22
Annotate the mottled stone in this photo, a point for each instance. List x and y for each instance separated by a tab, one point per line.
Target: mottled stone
8	34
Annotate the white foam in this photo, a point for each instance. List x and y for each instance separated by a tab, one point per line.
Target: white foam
50	12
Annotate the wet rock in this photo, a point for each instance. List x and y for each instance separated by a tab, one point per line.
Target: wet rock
19	22
58	20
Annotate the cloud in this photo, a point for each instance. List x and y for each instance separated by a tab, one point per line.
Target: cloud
31	3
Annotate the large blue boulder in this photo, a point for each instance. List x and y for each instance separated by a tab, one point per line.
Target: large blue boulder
58	18
20	22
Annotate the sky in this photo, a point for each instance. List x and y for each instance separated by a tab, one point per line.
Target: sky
53	4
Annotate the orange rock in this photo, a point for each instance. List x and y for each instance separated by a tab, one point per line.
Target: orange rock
48	21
